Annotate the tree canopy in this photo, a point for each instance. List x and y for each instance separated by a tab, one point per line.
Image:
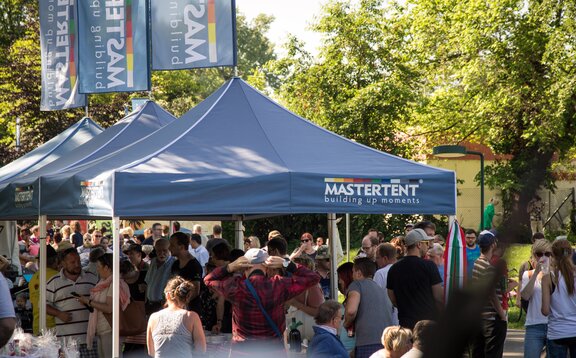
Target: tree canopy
405	76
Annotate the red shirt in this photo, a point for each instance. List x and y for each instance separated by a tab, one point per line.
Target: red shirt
248	322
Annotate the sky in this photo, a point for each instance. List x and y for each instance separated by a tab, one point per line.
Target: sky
291	17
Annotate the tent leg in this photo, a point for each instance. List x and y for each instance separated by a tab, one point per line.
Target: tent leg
171	230
238	235
116	288
348	237
333	257
42	275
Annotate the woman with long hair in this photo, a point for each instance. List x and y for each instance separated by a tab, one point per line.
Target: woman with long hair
174	331
559	301
531	291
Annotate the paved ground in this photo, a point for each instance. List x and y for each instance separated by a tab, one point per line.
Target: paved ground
514	346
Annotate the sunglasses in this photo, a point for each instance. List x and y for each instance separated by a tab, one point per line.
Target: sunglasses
305	240
540	254
247	242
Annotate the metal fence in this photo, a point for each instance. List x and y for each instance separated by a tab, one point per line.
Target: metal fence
558	206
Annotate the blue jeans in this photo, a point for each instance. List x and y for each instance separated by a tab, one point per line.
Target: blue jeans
535	340
559	349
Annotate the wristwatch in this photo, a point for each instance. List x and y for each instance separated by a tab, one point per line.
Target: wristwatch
286	262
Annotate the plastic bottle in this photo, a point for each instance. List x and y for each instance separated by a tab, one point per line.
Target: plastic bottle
294	337
545	265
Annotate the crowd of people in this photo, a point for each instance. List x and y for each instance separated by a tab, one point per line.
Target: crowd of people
176	289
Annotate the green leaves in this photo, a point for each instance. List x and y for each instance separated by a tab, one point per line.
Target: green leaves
362	85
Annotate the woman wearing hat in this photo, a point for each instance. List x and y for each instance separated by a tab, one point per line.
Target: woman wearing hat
136	257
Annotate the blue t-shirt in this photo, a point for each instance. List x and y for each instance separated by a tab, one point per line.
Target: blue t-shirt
325	285
471	256
441	272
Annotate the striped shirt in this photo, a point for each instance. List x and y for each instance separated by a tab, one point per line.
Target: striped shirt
58	295
484	272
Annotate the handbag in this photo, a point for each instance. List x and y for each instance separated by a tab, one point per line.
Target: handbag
133	319
307	321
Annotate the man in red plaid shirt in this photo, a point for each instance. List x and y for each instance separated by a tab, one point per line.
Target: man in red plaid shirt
251	331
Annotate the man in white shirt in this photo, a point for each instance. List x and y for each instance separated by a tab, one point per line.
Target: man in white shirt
385	258
199	251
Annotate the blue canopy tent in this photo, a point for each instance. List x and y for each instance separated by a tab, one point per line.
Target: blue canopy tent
19	196
59	146
240	153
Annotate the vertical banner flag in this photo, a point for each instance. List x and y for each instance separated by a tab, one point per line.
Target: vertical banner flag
193	34
59	44
113	39
455	268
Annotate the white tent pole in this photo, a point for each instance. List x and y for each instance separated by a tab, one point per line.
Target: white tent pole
116	289
238	234
333	257
42	275
171	230
348	237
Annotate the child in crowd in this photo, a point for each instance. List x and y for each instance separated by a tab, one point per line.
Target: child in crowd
23	312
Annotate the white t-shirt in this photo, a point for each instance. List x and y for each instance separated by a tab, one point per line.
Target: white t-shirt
202	255
381	277
534	314
6	305
562	318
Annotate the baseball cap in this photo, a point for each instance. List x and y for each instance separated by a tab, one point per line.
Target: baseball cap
323	253
486	238
256	256
415	236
